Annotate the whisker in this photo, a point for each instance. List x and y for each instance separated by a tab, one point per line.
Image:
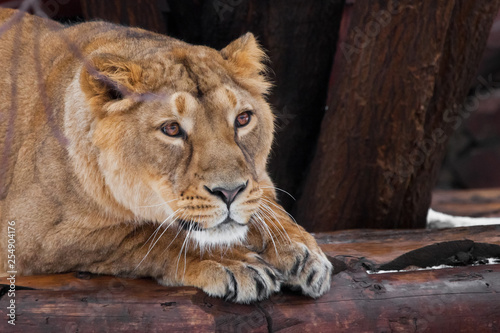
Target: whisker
201	251
266	216
258	226
182	248
175	237
158	229
274	219
179	230
280	208
185	255
153	244
186	250
223	252
266	228
284	211
279	189
272	234
262	228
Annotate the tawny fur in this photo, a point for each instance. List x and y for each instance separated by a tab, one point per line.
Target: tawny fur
94	185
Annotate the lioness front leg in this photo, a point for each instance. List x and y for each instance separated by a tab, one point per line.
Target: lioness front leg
234	273
291	249
238	275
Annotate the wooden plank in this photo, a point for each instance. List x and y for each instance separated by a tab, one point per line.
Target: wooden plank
475	203
358	301
459	299
382	246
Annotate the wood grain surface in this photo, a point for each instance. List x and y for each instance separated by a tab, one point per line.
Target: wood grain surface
458	299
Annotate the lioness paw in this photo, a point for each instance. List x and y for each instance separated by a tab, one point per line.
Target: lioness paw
237	281
248	283
304	268
311	272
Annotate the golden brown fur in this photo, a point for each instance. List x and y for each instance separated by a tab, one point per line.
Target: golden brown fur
93	183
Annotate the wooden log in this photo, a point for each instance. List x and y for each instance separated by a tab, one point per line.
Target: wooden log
474	203
459	299
399	94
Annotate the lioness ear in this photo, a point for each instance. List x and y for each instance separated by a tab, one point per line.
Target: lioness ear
246	59
109	82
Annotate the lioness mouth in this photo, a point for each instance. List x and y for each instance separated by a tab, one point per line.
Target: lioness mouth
195	226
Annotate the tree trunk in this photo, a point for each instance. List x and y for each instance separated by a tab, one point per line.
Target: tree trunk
300	36
406	69
137	13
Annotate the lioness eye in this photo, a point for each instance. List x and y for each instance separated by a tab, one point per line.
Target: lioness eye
171	129
243	119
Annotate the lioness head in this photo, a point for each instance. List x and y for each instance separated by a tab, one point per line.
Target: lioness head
174	134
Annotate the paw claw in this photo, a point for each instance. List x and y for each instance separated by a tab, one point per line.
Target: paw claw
309	271
232	287
245	283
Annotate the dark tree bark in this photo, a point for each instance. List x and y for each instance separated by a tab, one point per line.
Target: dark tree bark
406	70
137	13
300	37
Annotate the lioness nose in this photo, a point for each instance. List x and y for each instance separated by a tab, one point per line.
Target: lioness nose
227	195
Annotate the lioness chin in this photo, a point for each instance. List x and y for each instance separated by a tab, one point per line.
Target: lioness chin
131	153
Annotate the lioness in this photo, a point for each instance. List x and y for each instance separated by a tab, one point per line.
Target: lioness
131	153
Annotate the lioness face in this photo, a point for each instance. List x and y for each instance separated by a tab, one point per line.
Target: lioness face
193	132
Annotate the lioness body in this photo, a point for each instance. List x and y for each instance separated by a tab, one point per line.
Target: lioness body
94	180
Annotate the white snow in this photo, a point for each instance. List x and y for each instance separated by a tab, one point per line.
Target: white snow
437	220
490	261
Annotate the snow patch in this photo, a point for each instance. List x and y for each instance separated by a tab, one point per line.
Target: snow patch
436	220
489	261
